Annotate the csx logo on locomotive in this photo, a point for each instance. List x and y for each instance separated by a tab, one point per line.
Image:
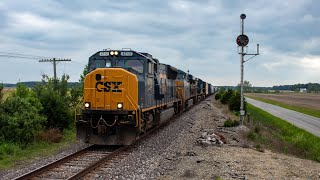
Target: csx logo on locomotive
108	86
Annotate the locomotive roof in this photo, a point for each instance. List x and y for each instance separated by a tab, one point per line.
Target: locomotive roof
124	53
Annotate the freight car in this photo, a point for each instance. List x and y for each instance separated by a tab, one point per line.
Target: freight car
126	93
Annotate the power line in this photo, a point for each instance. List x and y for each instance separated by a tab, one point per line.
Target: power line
20	55
54	61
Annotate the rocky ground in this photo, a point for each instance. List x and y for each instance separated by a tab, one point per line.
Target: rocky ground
197	146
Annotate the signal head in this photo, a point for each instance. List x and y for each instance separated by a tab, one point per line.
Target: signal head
242	40
243	16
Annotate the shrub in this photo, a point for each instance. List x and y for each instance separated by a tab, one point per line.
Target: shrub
20	119
218	96
226	96
55	109
1	93
235	101
75	95
55	99
231	123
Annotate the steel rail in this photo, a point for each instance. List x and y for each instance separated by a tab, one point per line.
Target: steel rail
98	163
56	163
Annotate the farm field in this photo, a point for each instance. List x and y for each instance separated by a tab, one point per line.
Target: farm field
6	92
302	102
305	100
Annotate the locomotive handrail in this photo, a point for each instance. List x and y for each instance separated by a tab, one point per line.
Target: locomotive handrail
145	56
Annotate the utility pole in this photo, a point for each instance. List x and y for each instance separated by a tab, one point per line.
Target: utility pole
54	61
242	41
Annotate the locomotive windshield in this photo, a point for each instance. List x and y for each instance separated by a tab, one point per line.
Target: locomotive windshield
99	63
134	66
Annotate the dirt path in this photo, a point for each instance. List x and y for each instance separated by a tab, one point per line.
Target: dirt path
234	160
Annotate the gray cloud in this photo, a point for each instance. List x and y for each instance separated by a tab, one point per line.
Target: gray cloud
191	35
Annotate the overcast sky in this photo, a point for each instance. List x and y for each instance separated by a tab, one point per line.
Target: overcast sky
191	35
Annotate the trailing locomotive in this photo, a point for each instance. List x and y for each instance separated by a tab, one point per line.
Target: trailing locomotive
126	93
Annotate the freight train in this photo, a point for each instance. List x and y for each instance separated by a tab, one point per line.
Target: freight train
126	93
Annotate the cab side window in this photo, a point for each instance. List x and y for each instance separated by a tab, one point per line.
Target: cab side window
150	67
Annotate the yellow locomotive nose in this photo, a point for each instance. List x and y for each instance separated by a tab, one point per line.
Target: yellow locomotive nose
111	89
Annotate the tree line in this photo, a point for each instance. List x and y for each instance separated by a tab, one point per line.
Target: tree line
310	87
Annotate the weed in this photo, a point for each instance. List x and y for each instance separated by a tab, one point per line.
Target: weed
256	129
237	113
285	149
231	123
252	135
259	148
51	135
8	149
217	178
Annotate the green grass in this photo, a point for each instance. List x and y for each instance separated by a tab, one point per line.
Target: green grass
11	154
311	112
306	144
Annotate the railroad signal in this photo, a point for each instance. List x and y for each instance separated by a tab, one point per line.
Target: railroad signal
242	40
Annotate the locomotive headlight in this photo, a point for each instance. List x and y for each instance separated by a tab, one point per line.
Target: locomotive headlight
112	53
116	53
87	105
120	105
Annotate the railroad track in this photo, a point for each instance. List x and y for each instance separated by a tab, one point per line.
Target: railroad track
75	165
84	162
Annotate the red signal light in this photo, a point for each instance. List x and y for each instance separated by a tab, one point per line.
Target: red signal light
242	40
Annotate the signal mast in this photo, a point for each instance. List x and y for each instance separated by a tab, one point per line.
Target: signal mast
242	41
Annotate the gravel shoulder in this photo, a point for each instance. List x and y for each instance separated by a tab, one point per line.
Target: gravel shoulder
173	152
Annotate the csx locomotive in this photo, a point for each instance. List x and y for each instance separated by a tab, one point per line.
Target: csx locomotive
126	93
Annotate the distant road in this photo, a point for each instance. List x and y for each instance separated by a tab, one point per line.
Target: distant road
303	121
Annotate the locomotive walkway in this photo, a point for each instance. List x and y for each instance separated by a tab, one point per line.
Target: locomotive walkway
303	121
